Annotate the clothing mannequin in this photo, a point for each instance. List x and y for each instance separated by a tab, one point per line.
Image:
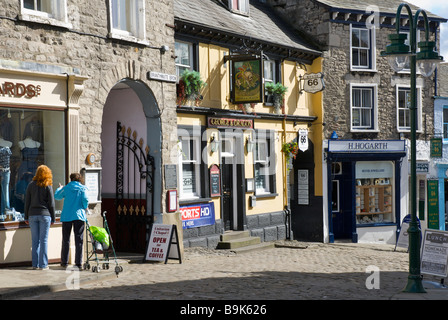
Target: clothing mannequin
30	151
5	173
28	142
5	143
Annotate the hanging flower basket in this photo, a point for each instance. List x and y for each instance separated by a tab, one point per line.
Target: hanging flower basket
290	149
189	88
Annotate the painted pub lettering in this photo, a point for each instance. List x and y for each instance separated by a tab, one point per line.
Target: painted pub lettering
19	90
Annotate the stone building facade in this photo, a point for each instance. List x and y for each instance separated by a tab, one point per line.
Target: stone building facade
97	63
358	79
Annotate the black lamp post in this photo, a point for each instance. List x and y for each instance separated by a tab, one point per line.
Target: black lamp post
427	59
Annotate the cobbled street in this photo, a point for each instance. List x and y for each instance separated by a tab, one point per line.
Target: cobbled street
315	271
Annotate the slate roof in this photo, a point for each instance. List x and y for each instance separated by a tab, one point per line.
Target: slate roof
262	25
385	6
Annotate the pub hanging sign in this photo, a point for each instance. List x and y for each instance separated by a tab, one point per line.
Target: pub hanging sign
247	79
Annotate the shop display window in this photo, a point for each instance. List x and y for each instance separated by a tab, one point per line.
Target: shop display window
374	193
28	138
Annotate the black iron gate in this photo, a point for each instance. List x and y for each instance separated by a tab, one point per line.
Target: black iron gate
134	192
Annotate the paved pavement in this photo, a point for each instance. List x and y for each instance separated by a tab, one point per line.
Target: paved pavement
290	271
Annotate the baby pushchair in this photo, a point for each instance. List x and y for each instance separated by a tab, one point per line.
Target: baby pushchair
100	244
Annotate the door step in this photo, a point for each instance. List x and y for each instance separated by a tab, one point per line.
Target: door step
241	241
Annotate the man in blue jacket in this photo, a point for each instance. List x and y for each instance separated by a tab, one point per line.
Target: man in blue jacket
73	216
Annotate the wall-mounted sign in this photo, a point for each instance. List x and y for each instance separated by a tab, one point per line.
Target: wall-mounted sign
436	148
303	196
153	75
171	176
214	122
303	140
198	215
92	180
247	80
18	90
366	146
215	181
313	82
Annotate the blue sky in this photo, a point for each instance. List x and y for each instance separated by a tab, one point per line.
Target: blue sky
440	8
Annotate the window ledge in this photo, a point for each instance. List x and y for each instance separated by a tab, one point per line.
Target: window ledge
365	130
44	20
194	201
363	70
133	39
13	225
266	195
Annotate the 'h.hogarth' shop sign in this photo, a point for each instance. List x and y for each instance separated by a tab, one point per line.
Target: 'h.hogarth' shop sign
366	146
215	122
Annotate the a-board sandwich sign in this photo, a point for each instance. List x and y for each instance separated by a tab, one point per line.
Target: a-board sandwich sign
160	244
434	256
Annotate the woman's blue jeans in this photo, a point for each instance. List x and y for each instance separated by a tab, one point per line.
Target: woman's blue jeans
40	226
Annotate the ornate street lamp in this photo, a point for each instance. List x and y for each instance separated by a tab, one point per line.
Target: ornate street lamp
427	59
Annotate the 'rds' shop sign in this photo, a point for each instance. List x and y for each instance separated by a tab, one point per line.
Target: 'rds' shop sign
198	215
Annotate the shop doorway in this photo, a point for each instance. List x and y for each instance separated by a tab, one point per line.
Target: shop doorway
130	212
342	200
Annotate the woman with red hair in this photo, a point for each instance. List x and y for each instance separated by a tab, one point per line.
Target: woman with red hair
39	214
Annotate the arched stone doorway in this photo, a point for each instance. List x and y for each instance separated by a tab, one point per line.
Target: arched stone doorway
133	104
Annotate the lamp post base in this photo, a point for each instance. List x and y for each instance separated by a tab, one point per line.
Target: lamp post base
414	285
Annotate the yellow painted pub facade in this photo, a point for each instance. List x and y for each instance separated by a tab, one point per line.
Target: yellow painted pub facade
247	165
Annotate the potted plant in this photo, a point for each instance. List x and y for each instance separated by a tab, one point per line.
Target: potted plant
189	88
277	91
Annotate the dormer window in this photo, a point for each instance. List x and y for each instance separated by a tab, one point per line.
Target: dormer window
239	6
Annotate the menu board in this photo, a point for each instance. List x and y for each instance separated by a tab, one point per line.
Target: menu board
215	181
92	180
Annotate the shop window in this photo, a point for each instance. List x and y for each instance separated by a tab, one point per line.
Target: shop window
189	167
184	57
45	11
29	138
127	20
362	42
404	111
363	108
374	192
264	168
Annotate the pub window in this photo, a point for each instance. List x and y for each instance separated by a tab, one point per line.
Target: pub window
239	6
28	140
270	75
45	11
264	168
184	57
190	167
127	20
